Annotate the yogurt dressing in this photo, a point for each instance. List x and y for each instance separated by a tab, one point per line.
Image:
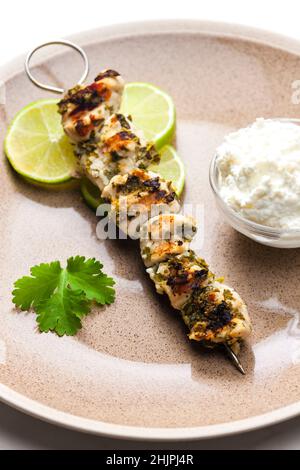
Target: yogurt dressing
259	173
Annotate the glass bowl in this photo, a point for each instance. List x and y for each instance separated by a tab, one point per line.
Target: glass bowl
279	238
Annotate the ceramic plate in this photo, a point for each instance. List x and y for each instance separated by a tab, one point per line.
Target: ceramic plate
131	371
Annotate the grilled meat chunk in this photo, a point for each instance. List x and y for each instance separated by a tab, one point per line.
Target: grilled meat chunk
166	235
137	196
85	108
119	149
217	314
179	276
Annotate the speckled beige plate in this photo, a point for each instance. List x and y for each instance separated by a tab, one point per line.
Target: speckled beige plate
131	370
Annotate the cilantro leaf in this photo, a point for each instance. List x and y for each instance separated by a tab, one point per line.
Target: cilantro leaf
62	312
86	275
60	296
29	291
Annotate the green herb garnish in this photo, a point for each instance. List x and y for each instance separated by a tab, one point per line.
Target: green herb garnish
61	297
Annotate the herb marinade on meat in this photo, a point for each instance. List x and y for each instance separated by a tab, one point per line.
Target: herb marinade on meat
115	156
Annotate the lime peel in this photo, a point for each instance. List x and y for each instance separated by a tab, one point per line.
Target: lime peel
36	145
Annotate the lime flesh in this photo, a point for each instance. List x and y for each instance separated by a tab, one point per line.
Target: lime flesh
36	145
170	167
152	111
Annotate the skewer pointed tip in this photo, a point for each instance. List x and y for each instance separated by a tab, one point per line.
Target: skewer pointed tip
235	360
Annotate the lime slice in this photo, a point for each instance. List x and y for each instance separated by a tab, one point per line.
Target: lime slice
170	167
73	183
152	110
90	193
36	146
38	149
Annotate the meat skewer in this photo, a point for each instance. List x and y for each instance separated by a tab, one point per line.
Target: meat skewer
213	311
115	157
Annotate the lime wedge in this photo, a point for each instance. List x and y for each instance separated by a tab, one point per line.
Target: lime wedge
36	146
170	167
152	110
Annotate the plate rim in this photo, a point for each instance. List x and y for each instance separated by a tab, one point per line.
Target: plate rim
56	417
53	416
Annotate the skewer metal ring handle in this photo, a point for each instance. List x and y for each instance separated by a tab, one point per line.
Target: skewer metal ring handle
50	43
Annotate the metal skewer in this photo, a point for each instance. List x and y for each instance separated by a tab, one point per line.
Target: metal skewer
234	359
62	42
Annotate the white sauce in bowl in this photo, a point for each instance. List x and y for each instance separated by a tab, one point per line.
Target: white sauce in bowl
259	173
